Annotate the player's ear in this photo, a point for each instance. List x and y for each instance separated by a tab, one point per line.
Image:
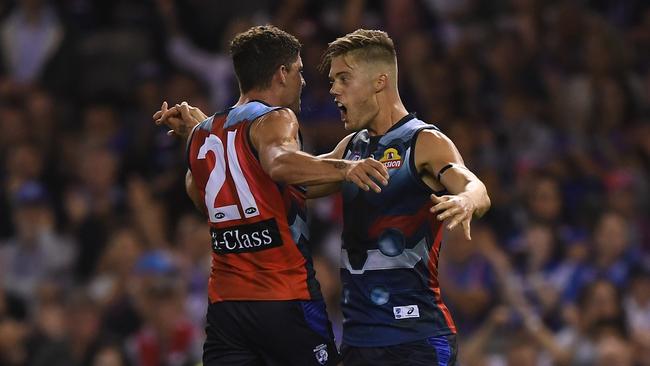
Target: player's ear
381	82
281	74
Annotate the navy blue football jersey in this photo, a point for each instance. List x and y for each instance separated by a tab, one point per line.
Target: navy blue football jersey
391	243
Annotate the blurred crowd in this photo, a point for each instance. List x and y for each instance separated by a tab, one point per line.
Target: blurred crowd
104	262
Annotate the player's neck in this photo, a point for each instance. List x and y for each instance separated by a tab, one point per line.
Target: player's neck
389	114
266	96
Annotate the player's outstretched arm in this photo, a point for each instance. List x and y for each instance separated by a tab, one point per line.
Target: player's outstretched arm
437	155
275	136
181	119
322	190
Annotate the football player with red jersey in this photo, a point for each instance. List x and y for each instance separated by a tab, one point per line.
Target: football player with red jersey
246	172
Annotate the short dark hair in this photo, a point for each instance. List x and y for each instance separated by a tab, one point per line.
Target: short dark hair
258	52
373	45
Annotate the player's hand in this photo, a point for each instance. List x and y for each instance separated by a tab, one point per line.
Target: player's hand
365	173
180	119
458	209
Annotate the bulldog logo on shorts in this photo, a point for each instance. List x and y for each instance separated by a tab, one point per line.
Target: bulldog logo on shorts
320	352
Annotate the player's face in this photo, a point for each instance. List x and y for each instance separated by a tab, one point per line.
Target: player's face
295	83
354	95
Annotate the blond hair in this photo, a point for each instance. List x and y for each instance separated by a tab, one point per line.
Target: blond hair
369	45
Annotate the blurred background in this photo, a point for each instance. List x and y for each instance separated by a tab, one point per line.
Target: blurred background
103	260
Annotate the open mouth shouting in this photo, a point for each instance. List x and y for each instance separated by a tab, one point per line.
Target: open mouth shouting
343	109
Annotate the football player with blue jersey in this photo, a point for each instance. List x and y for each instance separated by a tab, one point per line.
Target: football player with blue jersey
392	305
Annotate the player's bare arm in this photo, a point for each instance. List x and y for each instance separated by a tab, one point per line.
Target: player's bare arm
275	136
442	167
181	120
323	190
193	192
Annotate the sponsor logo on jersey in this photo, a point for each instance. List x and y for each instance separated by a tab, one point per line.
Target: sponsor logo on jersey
320	352
391	158
405	312
246	238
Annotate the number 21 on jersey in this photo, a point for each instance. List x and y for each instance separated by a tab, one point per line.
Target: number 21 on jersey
218	177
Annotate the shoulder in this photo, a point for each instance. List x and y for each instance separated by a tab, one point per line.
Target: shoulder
279	115
431	142
344	145
277	125
435	149
205	126
347	139
431	137
281	119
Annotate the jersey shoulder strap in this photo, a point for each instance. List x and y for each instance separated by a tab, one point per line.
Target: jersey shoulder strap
248	112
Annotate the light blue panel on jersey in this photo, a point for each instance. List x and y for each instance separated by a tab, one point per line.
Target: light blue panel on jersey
299	228
206	125
247	112
380	259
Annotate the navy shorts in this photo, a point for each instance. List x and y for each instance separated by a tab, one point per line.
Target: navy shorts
433	351
269	333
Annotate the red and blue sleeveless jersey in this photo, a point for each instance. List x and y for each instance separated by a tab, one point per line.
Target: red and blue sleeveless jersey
391	243
258	226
